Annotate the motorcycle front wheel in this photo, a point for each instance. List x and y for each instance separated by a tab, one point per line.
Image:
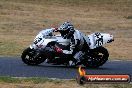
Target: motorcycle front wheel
27	57
96	58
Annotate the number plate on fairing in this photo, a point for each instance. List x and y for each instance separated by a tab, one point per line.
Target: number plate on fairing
98	39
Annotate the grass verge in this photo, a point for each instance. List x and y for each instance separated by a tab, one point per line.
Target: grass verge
10	82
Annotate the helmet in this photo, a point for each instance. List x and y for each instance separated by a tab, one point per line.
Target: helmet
65	28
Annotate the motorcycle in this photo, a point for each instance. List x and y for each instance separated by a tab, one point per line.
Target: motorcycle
49	49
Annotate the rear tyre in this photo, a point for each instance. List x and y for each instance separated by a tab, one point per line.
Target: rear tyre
96	58
27	57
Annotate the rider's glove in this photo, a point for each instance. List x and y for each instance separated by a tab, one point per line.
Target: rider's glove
58	50
55	29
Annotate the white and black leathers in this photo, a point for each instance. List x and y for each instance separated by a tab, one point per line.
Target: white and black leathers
78	44
77	41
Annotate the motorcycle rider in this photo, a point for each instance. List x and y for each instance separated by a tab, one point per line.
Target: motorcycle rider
79	43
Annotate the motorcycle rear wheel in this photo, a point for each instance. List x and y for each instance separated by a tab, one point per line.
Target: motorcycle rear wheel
97	57
27	57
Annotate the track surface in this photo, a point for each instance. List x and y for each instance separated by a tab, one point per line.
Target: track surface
14	67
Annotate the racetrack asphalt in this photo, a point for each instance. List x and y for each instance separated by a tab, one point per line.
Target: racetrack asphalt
14	67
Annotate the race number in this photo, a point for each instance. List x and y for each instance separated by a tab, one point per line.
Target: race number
37	40
98	39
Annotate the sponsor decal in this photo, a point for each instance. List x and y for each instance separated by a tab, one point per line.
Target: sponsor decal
83	78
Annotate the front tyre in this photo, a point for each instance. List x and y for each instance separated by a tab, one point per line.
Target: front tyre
28	57
96	58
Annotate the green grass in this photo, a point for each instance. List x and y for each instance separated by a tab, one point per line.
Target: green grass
35	80
56	83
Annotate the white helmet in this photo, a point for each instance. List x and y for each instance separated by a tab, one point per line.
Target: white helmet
65	28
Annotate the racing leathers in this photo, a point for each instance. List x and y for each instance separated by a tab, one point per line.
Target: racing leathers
79	43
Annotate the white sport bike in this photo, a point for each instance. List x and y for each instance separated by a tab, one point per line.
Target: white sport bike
95	56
